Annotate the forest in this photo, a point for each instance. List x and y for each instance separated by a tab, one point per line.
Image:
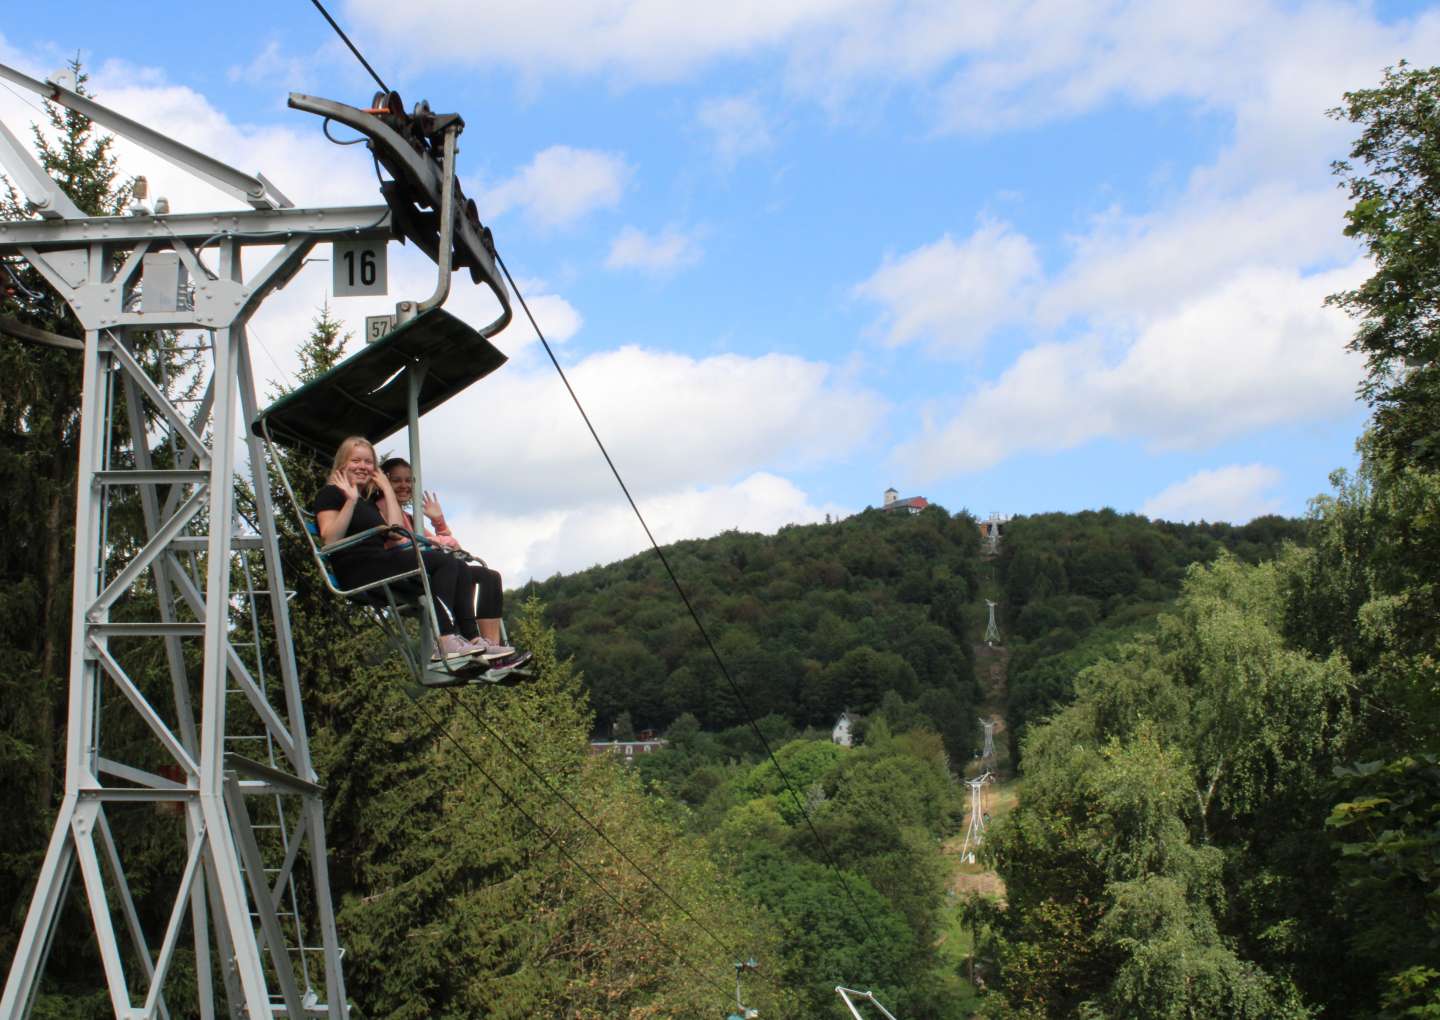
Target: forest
1219	745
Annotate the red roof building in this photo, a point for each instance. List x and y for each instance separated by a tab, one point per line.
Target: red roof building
909	505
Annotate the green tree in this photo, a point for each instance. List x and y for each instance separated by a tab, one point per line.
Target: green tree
1393	177
1162	861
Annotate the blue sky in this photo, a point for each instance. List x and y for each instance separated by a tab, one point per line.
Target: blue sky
1028	256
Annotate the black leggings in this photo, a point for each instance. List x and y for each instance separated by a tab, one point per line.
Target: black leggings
452	587
489	592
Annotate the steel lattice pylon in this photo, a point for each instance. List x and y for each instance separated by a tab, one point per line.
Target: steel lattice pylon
252	814
975	834
992	629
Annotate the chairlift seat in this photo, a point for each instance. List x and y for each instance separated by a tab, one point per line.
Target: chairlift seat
367	393
374	393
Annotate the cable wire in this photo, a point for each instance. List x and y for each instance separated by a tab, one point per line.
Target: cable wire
325	127
24	99
695	616
346	39
560	796
555	842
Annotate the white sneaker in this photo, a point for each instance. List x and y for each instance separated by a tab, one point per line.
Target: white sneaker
452	646
487	650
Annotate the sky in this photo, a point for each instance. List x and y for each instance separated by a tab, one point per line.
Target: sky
1014	257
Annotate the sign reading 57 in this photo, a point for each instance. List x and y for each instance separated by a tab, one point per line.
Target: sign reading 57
359	268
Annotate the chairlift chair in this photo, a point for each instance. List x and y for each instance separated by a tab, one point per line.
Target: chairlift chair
378	390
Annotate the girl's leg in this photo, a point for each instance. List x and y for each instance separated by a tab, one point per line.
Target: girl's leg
445	574
490	601
464	601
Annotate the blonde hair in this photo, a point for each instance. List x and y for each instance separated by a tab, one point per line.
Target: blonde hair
342	457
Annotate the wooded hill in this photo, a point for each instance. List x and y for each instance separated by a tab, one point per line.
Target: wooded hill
822	618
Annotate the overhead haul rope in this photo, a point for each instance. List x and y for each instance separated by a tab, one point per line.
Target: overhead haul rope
715	653
695	616
439	727
505	794
346	39
560	796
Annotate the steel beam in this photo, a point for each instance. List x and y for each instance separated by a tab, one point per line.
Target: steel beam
271	226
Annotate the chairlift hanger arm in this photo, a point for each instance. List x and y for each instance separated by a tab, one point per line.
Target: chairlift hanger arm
414	160
255	191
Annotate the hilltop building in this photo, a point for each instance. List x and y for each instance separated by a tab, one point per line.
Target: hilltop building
909	505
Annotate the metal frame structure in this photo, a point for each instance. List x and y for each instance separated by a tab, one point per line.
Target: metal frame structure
987	751
250	819
992	629
845	996
975	834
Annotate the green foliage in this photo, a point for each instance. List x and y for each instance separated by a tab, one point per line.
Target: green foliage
810	622
1368	592
1389	840
1137	879
1078	586
1393	177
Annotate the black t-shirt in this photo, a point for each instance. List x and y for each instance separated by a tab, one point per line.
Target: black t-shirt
365	515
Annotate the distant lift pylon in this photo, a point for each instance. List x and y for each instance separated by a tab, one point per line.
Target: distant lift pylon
252	884
850	996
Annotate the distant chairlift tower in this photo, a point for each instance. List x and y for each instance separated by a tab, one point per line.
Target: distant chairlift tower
974	835
236	769
987	753
992	630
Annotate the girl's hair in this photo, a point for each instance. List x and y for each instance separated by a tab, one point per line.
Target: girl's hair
342	457
391	463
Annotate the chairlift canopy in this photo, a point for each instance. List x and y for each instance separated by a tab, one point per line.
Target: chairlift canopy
367	394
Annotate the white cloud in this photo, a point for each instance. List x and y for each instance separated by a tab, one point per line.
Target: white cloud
1277	64
272	64
602	531
699	443
1259	350
660	254
1135	267
561	185
636	40
984	65
738	127
1237	493
668	420
953	295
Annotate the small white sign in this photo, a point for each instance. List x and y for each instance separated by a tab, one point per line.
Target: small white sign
377	326
359	268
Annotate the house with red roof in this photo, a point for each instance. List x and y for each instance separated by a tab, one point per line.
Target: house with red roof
909	505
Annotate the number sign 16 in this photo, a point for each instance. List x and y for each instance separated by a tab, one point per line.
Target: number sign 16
359	268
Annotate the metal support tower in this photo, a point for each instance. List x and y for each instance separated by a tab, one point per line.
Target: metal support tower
992	630
253	818
849	997
987	752
978	816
